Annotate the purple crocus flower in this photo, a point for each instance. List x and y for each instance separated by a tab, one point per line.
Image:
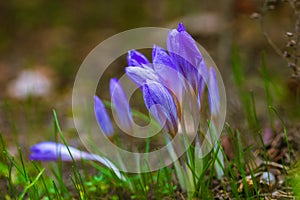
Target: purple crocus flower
181	43
161	105
121	105
52	151
187	57
102	117
182	67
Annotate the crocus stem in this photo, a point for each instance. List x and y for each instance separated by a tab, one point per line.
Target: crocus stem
219	163
198	160
107	163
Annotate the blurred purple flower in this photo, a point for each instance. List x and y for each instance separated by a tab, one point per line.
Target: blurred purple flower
102	117
121	105
268	136
52	151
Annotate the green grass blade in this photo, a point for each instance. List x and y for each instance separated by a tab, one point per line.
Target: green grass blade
43	181
23	165
65	143
267	79
284	130
31	184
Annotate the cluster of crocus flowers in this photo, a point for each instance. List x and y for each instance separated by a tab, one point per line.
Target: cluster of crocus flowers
174	73
178	71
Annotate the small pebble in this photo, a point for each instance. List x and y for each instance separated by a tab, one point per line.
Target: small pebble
268	178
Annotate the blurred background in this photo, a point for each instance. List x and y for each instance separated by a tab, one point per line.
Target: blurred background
43	43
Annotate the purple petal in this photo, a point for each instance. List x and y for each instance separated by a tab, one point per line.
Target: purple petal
213	92
161	105
163	65
202	81
203	76
135	58
161	58
121	105
139	75
102	117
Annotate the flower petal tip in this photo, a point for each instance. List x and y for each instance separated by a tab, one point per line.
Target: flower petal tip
102	117
51	151
135	58
181	27
121	105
